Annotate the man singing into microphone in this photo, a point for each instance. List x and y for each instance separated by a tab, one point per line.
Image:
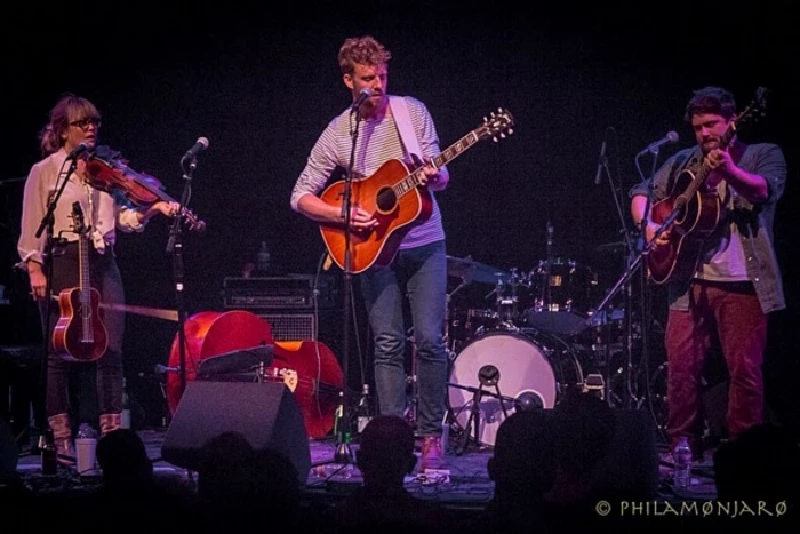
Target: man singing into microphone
72	130
391	127
734	279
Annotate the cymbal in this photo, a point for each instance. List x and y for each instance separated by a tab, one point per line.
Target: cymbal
473	271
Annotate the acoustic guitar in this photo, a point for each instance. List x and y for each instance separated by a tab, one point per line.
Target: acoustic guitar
396	197
695	211
80	334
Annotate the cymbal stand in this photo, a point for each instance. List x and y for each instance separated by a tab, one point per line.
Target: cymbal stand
450	343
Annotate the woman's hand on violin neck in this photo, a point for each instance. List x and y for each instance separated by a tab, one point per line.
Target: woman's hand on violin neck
170	209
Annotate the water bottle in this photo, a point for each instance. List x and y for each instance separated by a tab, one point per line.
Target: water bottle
49	454
682	460
364	415
125	416
263	258
86	448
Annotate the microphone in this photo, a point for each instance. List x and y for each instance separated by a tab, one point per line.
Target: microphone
600	162
671	137
199	146
78	150
362	97
488	375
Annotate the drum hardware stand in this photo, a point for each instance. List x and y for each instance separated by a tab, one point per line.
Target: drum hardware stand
411	410
488	375
547	291
451	348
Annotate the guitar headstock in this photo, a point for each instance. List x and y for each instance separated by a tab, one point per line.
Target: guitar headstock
498	124
78	222
756	109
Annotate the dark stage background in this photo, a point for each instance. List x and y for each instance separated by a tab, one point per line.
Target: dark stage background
261	85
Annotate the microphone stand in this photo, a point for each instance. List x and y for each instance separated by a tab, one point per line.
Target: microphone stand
48	223
175	247
644	304
627	345
344	454
638	256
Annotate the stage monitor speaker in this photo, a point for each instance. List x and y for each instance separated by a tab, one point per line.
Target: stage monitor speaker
266	413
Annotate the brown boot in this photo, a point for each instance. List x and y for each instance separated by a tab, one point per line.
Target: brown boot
62	432
110	422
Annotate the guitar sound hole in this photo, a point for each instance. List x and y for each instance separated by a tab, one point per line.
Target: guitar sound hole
386	200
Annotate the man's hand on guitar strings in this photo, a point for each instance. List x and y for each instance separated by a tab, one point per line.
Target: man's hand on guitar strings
721	164
651	230
360	219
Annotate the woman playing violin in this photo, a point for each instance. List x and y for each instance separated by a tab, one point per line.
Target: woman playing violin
73	121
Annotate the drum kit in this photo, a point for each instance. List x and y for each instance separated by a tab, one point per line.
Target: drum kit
535	337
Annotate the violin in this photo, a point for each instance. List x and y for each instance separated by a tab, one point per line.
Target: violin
106	171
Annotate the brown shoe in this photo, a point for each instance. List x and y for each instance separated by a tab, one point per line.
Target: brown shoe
432	455
110	422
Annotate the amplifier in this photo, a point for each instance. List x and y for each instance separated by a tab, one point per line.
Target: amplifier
292	326
294	292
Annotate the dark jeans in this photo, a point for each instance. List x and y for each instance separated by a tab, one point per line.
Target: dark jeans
728	313
424	269
105	277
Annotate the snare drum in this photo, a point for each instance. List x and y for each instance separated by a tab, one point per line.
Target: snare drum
533	370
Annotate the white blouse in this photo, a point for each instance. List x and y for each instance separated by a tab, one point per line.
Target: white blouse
101	212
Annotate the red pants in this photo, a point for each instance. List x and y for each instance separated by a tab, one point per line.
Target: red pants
728	313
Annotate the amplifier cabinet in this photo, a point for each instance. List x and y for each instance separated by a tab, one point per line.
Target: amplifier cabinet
294	292
290	326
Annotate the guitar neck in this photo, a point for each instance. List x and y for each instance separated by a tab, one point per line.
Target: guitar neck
87	328
411	181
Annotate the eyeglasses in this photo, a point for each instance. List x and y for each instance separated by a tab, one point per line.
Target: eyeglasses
84	124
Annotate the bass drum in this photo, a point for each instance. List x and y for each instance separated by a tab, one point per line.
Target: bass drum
534	372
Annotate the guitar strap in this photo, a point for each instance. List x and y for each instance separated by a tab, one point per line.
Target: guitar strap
403	122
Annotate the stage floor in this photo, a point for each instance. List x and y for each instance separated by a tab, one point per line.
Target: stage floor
468	485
